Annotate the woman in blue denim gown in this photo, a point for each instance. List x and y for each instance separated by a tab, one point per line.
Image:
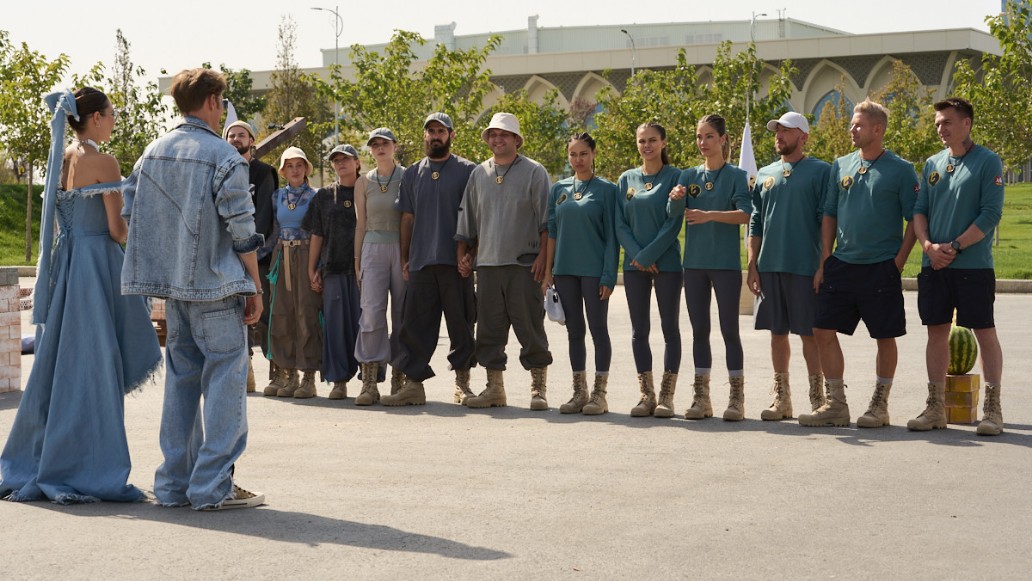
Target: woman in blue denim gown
93	345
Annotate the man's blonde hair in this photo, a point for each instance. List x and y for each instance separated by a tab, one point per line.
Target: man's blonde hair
876	111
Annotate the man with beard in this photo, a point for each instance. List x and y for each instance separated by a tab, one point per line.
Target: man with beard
264	181
430	196
784	251
870	193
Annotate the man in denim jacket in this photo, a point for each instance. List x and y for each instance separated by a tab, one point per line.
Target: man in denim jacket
192	241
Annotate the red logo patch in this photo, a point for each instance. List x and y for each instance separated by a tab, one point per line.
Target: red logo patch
917	188
998	181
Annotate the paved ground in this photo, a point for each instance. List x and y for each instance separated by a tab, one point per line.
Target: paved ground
445	492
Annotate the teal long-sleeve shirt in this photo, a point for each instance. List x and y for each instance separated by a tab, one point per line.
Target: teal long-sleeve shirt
952	201
869	207
646	228
580	220
714	245
787	212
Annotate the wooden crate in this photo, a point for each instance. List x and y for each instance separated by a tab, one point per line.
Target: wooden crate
962	398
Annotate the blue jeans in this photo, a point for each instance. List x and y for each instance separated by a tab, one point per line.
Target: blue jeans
206	355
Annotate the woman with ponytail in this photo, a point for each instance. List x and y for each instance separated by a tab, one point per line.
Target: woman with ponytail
717	203
93	344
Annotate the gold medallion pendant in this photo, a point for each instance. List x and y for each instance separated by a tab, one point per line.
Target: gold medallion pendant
347	203
648	186
786	173
709	186
383	189
499	179
862	170
291	206
436	175
950	168
578	196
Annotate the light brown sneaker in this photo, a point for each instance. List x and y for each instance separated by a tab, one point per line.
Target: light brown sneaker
701	405
781	406
538	389
992	413
665	403
877	414
597	404
580	395
934	415
411	393
339	391
370	393
293	382
647	403
835	413
462	390
493	395
239	499
307	388
735	411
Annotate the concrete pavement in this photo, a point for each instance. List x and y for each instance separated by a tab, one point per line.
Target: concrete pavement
440	491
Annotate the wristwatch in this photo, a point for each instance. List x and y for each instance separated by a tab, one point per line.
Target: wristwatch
955	246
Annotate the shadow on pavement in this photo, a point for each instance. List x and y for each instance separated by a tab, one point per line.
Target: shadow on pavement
289	527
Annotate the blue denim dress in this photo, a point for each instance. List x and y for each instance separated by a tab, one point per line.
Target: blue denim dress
68	440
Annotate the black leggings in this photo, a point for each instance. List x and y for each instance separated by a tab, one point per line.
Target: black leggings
728	286
579	296
638	285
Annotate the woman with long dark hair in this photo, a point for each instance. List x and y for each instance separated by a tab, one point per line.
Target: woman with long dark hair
647	230
581	259
93	345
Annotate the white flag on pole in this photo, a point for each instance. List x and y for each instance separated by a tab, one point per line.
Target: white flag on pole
747	160
231	115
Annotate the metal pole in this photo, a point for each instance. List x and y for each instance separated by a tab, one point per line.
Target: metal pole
634	50
338	29
752	41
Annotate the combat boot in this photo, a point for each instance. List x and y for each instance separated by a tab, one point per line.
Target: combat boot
597	404
397	380
580	395
307	387
279	380
781	407
934	415
735	411
818	396
493	395
835	413
339	391
878	412
293	382
665	405
462	391
411	393
370	392
992	413
647	403
701	405
538	388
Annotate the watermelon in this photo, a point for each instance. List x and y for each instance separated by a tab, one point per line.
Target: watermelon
963	350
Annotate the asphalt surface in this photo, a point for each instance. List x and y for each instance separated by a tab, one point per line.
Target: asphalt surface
444	492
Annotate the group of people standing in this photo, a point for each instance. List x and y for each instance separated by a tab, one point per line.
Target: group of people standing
317	270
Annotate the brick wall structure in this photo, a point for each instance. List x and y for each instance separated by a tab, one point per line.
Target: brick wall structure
10	330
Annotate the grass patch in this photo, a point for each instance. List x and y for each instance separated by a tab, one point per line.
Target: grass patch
12	224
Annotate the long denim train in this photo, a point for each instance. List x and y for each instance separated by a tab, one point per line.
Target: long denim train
206	356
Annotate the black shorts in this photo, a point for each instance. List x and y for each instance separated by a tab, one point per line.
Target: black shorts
969	291
787	304
872	292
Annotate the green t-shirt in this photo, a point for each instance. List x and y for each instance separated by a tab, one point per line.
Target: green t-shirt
787	215
580	219
714	245
972	193
644	228
870	200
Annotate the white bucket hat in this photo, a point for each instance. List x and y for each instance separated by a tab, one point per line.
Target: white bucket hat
294	153
505	121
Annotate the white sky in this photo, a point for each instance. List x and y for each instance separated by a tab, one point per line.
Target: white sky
180	34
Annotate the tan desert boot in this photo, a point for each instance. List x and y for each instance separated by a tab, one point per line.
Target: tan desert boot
665	403
493	395
538	389
293	382
781	407
934	415
580	395
835	413
992	413
877	414
597	404
462	391
279	380
339	391
307	387
701	405
411	393
647	403
370	392
818	396
735	411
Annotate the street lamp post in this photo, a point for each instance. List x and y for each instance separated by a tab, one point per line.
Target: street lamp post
752	25
634	50
752	41
338	29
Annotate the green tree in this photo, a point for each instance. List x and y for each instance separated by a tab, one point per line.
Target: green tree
240	92
1001	90
543	125
294	95
390	90
911	129
25	76
829	137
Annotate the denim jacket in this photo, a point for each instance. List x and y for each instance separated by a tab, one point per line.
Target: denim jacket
189	208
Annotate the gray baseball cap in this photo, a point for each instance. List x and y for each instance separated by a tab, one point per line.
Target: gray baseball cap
346	149
441	118
382	133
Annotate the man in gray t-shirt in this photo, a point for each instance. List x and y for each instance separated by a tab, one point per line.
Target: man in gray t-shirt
503	229
431	191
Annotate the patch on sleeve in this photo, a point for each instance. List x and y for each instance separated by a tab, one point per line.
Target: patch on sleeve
998	181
